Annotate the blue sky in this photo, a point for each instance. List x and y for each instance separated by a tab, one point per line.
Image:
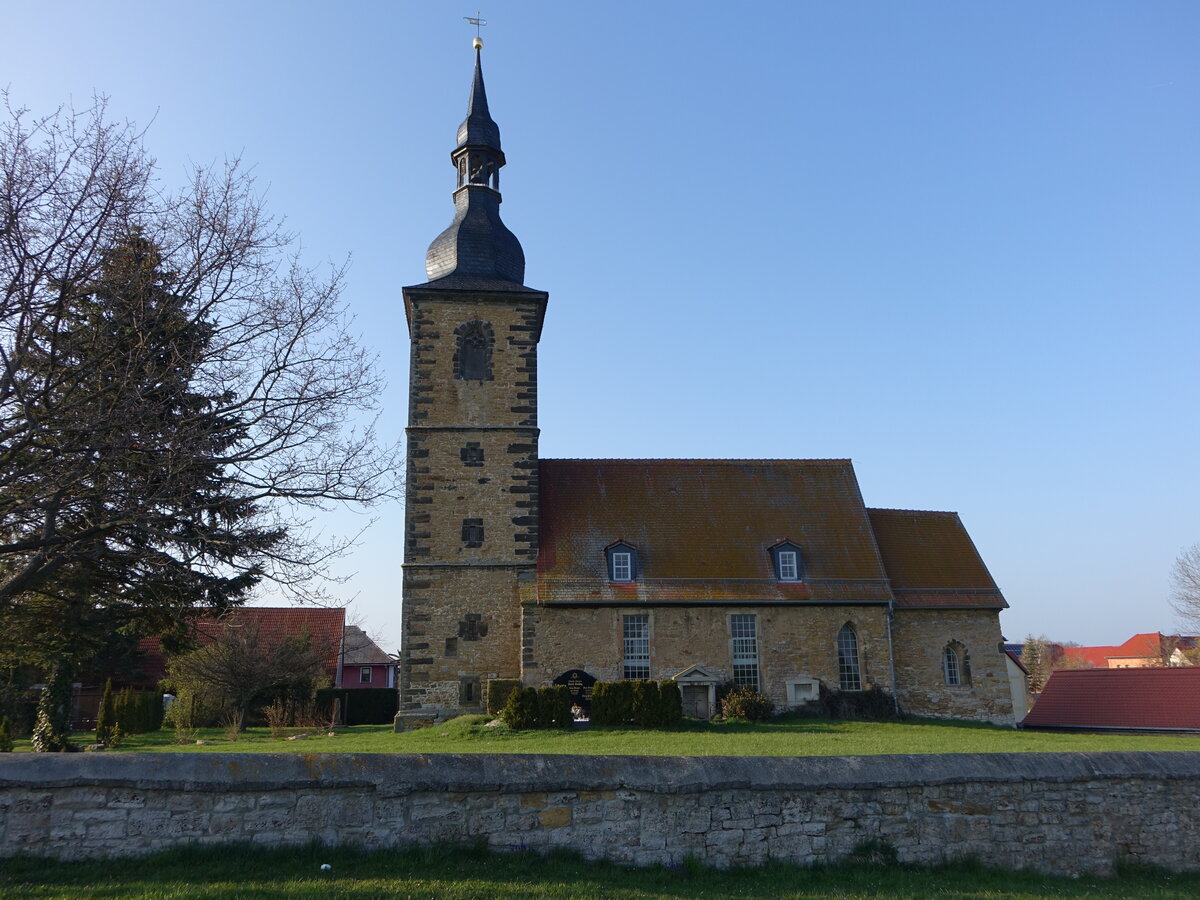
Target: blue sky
956	242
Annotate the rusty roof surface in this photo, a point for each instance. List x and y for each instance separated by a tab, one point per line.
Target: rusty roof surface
702	529
932	561
1141	699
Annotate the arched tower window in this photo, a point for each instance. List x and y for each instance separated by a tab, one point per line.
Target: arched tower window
956	669
849	673
473	357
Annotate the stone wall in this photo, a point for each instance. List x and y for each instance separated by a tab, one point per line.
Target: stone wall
920	635
1053	812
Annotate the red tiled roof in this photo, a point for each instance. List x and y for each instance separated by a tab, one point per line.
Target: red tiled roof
702	529
1141	699
1149	645
932	561
325	626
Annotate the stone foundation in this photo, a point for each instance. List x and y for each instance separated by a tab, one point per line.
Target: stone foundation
1061	813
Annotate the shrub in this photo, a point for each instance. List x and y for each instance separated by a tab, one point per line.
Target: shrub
744	703
6	740
520	713
277	716
554	707
873	704
670	703
498	690
645	703
137	711
104	717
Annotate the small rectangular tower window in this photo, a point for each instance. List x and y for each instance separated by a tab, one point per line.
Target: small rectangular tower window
472	532
471	454
637	647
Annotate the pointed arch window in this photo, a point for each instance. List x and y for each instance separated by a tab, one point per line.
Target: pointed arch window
473	356
956	669
849	671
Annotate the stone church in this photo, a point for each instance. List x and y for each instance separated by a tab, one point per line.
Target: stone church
764	572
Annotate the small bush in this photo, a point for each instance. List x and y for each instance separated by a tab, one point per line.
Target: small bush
744	703
554	707
105	721
278	718
520	713
498	690
670	704
6	739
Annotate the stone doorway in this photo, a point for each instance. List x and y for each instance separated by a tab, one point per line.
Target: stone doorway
695	701
698	689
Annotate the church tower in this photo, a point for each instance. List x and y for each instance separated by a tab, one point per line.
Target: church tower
471	501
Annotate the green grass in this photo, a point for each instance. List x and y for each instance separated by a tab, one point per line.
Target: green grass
782	737
451	873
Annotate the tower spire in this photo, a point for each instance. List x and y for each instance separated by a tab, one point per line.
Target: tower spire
477	243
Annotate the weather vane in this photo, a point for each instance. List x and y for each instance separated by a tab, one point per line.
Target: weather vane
478	23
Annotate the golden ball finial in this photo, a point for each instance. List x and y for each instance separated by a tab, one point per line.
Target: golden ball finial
477	43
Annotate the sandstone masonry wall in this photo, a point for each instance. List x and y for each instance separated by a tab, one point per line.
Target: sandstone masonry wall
1053	812
919	637
794	642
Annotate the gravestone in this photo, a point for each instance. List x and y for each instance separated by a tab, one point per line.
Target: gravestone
579	684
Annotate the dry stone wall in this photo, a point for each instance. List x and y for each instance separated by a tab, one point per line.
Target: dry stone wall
1054	812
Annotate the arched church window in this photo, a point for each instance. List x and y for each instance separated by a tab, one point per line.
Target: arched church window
849	672
473	359
955	669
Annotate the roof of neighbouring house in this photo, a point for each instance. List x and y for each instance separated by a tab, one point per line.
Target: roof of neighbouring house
703	529
324	626
1148	645
1151	699
360	650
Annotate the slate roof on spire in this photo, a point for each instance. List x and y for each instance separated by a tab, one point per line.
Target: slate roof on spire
478	129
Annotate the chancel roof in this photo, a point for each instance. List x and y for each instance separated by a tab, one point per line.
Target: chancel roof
932	561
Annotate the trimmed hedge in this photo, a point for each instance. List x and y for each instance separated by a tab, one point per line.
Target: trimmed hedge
362	706
136	711
646	704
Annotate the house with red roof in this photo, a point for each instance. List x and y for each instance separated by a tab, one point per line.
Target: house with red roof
770	574
324	627
1149	650
1126	699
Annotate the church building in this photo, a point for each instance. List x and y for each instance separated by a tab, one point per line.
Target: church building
770	573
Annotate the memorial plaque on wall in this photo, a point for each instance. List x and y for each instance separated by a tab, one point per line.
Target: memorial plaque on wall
579	685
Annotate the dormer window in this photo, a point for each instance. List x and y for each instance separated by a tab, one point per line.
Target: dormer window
622	562
786	557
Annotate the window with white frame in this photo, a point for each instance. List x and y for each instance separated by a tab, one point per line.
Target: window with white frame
849	674
951	670
789	569
636	630
743	631
622	565
364	675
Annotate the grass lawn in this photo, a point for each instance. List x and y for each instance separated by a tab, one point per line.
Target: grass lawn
782	737
452	874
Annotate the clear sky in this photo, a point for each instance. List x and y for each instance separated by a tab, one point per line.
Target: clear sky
956	242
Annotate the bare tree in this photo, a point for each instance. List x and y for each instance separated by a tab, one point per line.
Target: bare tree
240	667
1185	586
178	393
